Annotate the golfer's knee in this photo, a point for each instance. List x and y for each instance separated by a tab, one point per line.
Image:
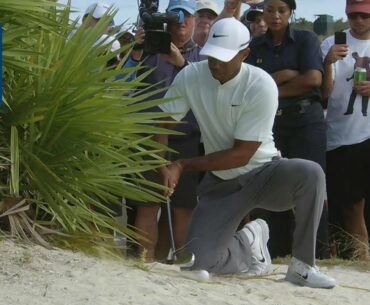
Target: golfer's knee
310	172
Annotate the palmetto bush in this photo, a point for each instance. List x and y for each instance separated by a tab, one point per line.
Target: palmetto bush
71	136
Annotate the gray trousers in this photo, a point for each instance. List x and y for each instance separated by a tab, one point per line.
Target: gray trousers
279	185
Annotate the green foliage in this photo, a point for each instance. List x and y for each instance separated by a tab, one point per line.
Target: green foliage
336	25
340	25
142	261
303	24
71	137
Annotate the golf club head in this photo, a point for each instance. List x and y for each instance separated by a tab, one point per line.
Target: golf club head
185	261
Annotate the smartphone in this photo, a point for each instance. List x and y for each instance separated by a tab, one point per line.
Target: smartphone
340	38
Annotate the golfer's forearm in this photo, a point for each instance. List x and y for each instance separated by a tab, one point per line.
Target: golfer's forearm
221	160
162	139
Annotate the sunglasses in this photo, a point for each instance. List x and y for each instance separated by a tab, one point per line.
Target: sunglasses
354	16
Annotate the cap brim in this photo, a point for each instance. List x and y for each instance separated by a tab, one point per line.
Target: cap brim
364	8
219	53
207	8
185	8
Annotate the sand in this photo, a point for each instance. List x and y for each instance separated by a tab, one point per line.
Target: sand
30	275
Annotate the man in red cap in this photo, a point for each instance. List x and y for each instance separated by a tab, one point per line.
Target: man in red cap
348	134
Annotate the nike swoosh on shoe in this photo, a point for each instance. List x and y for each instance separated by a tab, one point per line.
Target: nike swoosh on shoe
263	257
303	276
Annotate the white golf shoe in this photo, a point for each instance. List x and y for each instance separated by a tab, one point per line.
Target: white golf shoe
261	260
305	275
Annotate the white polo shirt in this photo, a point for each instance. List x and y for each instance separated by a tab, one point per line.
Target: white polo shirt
244	108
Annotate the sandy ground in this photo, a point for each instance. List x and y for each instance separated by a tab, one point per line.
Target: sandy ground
33	275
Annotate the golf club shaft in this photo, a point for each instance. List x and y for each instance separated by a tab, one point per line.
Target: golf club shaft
173	248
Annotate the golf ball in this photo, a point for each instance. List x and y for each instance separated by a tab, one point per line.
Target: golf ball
201	275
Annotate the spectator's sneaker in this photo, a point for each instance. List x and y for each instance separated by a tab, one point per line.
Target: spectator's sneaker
261	260
305	275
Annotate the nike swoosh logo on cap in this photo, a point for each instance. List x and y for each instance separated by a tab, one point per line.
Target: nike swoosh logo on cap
217	36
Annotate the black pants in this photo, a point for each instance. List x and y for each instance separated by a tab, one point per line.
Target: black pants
348	181
299	132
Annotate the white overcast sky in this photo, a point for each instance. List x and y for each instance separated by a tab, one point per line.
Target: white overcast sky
305	8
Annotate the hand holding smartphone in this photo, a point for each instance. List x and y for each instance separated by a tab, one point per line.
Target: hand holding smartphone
340	38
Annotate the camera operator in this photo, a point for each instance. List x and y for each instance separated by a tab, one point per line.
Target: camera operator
183	50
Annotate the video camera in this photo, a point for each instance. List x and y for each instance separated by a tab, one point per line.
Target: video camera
157	40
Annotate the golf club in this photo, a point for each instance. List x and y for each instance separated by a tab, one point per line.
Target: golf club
172	254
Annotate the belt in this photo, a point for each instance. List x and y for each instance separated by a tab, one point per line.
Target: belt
295	107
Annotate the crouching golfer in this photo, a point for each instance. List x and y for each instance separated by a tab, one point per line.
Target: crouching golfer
235	105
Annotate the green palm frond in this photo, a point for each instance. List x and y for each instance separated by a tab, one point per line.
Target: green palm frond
23	22
72	136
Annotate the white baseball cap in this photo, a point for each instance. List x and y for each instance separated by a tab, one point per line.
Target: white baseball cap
105	39
226	38
97	10
125	28
207	5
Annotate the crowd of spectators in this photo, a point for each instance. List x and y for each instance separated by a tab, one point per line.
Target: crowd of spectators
305	71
